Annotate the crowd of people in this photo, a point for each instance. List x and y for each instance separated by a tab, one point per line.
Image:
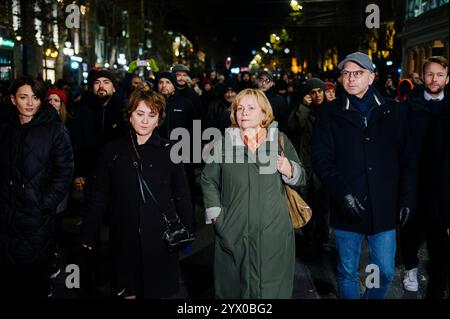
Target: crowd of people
371	159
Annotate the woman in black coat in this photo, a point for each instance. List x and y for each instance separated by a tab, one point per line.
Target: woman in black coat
36	170
143	266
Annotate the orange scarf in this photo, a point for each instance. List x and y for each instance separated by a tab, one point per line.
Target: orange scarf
255	141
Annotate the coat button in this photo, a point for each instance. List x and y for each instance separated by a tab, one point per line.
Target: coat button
369	168
150	165
367	139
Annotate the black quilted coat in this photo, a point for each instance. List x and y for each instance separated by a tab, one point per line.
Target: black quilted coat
36	170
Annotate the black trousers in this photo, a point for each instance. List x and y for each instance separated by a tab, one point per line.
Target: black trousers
318	198
437	246
31	281
410	242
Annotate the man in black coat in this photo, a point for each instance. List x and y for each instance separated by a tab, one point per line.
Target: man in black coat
218	115
246	81
301	123
180	113
361	153
98	120
182	86
265	83
426	107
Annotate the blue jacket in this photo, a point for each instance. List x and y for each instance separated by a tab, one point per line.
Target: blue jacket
370	158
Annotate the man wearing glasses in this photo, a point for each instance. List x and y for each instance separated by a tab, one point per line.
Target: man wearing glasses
265	83
361	153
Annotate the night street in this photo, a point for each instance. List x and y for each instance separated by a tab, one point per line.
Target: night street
315	273
224	150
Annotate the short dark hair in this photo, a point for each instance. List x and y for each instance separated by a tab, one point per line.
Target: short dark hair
38	87
155	101
435	59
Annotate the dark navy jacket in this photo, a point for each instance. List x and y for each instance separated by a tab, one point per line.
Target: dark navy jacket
373	162
94	125
422	117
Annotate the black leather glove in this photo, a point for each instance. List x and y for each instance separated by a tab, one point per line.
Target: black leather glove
353	210
404	215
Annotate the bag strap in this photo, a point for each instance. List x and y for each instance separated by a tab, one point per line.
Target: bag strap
143	186
281	143
281	135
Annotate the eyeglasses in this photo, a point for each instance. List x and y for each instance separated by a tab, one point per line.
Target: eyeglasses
356	74
262	80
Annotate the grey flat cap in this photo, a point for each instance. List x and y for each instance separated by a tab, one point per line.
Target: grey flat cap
360	58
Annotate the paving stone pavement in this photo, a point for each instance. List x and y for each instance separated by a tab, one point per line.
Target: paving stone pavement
314	271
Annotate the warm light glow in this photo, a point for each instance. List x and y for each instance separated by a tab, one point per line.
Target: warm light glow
294	66
295	5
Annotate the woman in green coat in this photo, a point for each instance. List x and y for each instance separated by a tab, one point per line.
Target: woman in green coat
242	184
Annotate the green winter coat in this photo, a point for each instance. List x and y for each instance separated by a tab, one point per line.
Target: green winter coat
254	247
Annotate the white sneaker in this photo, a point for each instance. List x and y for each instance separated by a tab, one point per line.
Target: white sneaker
410	280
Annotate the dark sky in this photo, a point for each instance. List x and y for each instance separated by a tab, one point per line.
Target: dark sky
230	27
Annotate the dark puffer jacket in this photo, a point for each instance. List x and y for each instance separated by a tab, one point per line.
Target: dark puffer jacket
36	170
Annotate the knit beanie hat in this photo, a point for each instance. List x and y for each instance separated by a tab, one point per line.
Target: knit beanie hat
61	94
104	74
315	83
330	86
167	75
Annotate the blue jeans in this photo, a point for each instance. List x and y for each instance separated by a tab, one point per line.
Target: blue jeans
381	247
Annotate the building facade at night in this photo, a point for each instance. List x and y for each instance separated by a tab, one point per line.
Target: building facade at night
53	39
425	33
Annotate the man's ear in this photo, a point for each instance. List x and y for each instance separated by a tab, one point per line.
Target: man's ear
371	78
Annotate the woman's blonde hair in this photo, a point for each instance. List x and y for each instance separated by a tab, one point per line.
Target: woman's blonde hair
260	99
